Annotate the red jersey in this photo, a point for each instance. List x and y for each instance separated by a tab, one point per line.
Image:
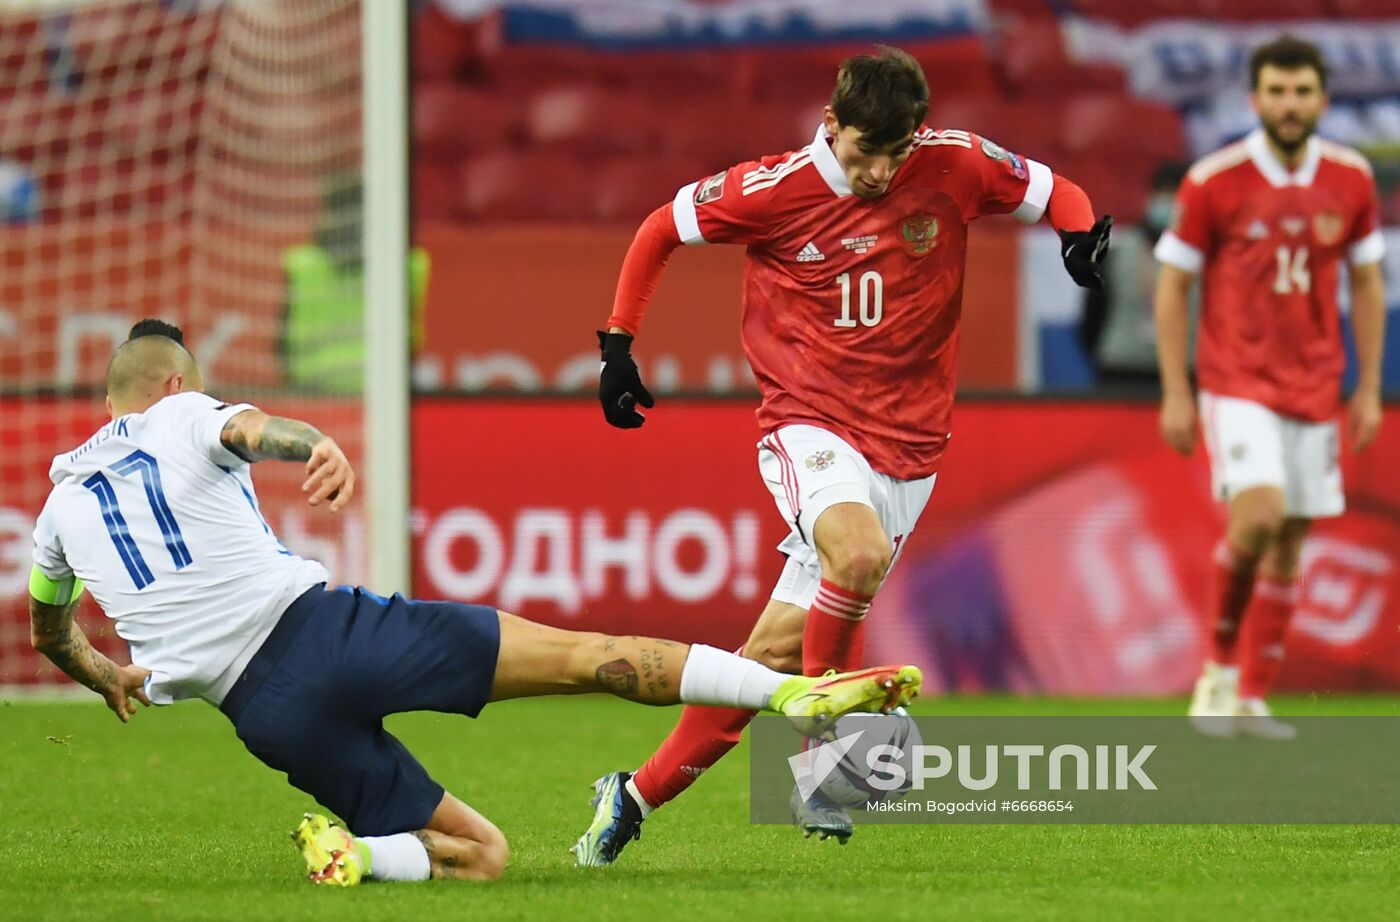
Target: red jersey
1269	244
851	305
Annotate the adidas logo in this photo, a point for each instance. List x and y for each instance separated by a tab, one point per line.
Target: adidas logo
810	254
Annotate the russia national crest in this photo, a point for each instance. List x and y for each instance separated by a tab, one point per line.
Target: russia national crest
1328	228
921	233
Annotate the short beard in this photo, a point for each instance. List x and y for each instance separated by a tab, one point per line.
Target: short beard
1290	147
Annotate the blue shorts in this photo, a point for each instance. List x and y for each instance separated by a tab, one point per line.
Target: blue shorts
312	701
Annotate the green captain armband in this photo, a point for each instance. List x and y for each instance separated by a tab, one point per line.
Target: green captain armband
54	591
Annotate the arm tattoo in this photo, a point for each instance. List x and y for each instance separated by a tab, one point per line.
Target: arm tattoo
288	439
270	438
618	677
67	647
235	436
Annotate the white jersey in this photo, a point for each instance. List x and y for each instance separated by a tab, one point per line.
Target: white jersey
160	521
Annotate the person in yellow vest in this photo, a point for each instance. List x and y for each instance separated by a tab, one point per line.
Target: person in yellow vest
323	342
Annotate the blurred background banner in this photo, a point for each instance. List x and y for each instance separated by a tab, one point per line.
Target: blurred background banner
1204	72
558	517
661	23
1065	549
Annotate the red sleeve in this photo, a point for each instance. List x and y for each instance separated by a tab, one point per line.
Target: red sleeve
1069	208
1027	189
641	269
1366	242
734	206
1186	242
1192	219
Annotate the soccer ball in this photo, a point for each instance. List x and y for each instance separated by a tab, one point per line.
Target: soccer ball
848	784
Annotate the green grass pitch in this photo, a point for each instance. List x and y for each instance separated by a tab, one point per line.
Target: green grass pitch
170	819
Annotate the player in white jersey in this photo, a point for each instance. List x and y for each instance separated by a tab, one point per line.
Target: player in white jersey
157	516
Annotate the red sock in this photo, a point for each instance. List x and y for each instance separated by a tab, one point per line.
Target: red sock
834	635
1234	578
700	739
1261	640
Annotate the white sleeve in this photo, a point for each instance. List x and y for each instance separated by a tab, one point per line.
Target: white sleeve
200	419
1038	189
208	432
683	212
1367	250
1171	250
48	549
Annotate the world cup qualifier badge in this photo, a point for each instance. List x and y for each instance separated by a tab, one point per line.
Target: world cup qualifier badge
710	189
921	233
995	150
821	460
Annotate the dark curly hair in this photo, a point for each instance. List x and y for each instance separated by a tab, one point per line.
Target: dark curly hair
884	95
1288	53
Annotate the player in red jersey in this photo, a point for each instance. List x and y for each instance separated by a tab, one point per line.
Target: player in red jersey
1266	222
852	295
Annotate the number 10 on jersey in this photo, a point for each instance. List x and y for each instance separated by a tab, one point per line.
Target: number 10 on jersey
870	290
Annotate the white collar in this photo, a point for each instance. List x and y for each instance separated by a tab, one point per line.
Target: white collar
1274	171
827	164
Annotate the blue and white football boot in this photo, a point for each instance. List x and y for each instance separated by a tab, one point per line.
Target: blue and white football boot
617	820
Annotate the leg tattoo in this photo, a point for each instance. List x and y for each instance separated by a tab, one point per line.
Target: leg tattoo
443	865
648	671
618	677
422	835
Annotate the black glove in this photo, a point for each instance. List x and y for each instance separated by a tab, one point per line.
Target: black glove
620	386
1083	252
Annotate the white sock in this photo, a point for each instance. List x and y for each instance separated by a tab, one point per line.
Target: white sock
715	677
397	857
637	797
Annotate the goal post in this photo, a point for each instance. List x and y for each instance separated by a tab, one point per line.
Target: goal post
386	243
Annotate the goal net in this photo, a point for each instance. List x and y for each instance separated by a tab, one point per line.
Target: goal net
197	161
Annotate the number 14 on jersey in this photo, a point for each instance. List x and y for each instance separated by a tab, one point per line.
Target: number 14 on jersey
1293	273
